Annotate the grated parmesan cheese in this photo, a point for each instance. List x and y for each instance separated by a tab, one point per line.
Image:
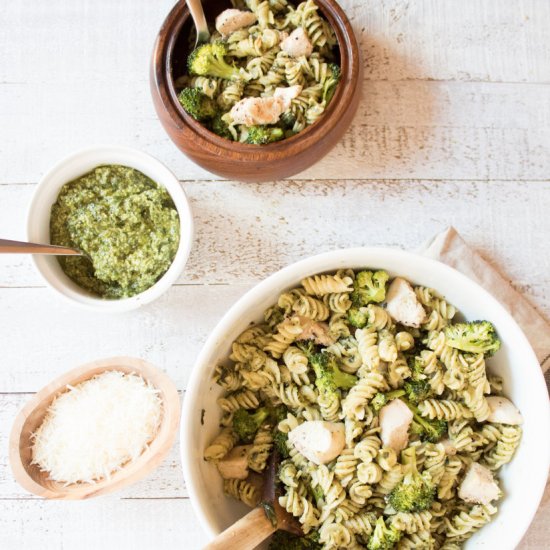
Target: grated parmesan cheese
96	427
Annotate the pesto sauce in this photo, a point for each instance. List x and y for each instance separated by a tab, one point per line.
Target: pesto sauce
126	224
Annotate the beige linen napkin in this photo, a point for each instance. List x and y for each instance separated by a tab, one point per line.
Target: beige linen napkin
450	248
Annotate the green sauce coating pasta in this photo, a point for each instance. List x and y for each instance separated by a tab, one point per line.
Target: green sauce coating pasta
344	503
256	60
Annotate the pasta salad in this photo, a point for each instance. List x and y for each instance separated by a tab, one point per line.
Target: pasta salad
268	72
390	428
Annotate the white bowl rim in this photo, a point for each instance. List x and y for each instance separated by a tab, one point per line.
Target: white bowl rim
190	403
181	202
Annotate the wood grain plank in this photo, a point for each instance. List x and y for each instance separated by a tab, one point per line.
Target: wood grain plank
49	336
404	129
477	40
163	524
488	40
241	241
426	129
92	524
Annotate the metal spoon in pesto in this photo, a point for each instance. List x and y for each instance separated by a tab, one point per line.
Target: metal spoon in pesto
197	13
18	247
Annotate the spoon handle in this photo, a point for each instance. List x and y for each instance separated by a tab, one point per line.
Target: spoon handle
250	531
17	247
197	13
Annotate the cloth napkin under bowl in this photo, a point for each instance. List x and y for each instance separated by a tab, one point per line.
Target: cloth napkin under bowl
450	248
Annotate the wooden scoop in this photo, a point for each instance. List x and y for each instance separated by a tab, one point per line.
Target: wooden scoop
263	521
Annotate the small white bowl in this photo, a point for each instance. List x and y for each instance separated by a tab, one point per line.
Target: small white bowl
76	165
523	480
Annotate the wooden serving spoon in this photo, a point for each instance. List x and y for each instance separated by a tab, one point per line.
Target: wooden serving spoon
263	521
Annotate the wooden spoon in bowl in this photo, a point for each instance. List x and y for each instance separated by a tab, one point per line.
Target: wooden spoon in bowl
263	521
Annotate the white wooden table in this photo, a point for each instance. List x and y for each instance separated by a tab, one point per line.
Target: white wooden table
454	127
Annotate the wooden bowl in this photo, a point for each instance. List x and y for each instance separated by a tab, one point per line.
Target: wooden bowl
31	416
241	161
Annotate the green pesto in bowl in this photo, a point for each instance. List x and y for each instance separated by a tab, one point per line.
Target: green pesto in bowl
127	225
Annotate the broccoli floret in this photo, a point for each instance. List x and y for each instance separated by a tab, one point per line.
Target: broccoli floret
383	537
416	491
197	104
220	127
381	399
208	60
262	135
278	413
378	401
329	379
280	441
417	368
308	347
283	540
357	316
474	337
428	430
331	82
246	424
369	287
417	390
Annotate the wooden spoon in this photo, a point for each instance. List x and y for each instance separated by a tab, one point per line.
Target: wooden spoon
28	420
263	521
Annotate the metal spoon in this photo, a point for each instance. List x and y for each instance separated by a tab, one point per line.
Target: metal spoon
18	247
197	13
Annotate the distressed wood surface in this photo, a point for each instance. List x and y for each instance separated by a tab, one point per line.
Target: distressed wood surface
454	128
439	76
246	232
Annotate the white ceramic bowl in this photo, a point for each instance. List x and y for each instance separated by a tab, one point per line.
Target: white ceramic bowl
76	165
523	479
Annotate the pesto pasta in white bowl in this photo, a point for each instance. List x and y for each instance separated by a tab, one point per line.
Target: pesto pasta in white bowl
402	420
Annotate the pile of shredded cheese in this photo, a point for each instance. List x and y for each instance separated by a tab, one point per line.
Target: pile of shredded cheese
96	427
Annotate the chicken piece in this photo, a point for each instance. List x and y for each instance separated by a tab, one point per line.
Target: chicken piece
286	95
257	110
503	411
319	441
297	43
478	485
317	331
235	464
232	20
395	419
403	305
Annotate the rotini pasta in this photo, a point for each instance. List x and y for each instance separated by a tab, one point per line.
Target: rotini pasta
270	51
321	358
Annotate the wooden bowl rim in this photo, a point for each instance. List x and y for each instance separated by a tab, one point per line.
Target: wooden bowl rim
343	97
129	473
